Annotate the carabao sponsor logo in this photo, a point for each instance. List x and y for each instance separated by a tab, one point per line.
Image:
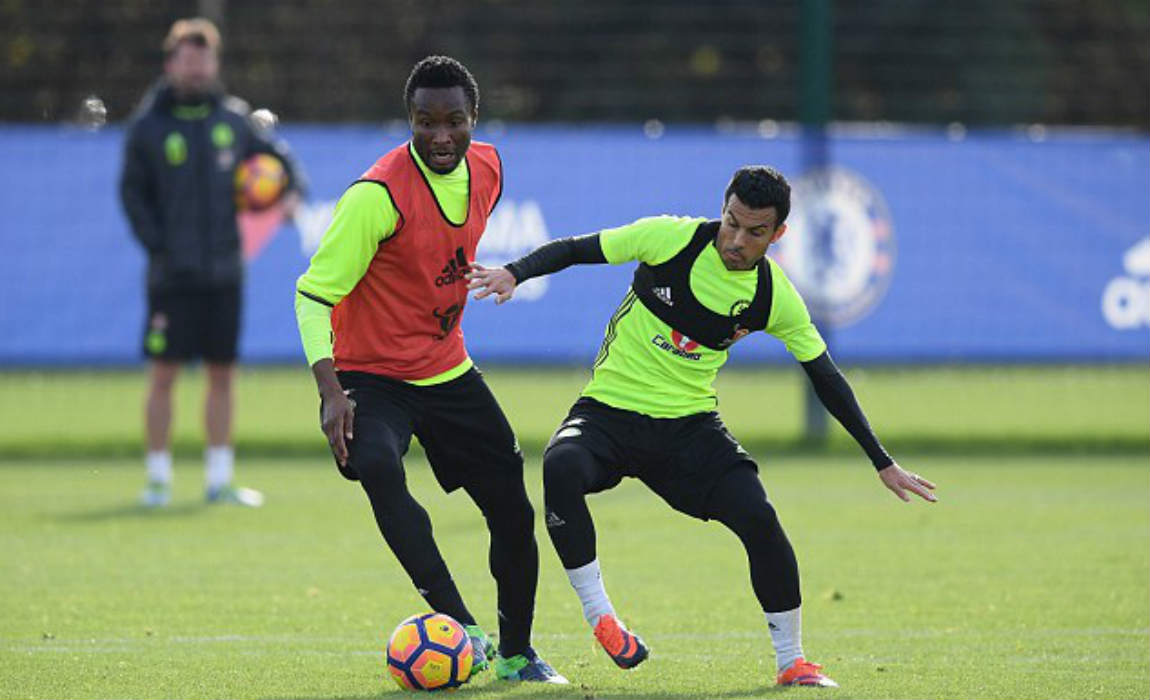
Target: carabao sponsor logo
515	229
683	342
1126	299
672	346
840	247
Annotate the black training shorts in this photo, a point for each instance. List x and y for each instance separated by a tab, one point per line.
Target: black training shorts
680	459
186	324
459	424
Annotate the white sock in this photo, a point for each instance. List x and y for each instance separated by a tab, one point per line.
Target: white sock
159	466
588	583
786	636
219	463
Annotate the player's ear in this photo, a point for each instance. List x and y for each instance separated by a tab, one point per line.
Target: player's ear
778	233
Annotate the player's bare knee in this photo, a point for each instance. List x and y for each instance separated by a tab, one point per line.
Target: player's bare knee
220	376
163	376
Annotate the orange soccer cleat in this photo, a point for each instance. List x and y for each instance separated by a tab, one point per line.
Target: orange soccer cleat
625	648
803	672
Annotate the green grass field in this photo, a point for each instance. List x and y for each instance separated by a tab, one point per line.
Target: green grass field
1030	579
958	409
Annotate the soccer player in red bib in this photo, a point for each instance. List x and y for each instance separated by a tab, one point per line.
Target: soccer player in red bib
387	283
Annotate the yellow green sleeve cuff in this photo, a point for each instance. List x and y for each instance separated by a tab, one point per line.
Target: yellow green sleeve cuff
314	320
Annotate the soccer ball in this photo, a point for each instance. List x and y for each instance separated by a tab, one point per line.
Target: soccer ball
260	182
429	652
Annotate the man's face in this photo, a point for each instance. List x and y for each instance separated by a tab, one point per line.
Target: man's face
192	70
441	124
745	233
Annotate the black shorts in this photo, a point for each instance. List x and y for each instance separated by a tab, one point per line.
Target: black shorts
187	324
680	459
459	424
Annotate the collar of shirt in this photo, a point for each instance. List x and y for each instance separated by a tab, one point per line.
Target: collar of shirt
458	174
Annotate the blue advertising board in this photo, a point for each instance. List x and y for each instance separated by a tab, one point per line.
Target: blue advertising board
993	247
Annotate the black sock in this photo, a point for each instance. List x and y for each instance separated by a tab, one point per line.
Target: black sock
513	557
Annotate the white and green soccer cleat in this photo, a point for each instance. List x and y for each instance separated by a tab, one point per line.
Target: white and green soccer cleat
527	667
157	494
234	495
482	649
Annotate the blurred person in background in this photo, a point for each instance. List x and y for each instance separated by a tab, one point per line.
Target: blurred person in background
649	409
388	278
182	148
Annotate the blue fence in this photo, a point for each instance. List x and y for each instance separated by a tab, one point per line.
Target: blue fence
992	247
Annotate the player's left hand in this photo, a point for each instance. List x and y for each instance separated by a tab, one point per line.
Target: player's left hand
491	280
901	481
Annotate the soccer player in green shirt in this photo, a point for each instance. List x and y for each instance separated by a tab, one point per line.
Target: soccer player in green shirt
649	410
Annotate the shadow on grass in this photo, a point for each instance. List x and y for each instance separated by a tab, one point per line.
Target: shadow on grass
575	690
134	511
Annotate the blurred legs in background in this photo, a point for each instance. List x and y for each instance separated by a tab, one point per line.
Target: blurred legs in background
158	421
219	456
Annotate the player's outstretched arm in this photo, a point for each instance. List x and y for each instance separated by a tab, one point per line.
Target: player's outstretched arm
491	280
836	395
546	259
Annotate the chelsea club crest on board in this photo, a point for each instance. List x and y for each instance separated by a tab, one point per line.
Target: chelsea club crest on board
839	249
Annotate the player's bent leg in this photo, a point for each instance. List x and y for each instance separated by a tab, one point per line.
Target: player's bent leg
376	457
513	556
570	471
739	501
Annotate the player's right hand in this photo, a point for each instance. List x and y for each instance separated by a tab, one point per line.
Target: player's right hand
491	280
336	420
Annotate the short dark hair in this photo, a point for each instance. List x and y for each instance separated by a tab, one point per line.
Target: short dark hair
441	72
760	187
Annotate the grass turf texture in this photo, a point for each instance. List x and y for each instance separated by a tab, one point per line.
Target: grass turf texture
1028	580
956	409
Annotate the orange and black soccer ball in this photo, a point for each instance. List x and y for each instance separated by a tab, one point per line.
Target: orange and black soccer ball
429	652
